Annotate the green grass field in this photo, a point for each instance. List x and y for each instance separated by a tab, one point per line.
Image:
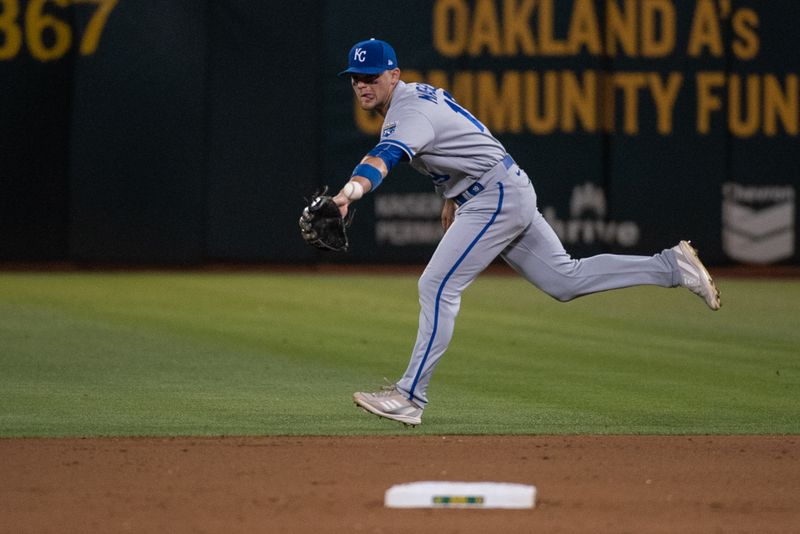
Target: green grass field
87	354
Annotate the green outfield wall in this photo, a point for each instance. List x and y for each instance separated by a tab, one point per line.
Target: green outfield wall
189	131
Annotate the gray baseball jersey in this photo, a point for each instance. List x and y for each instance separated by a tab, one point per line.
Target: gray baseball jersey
497	216
440	138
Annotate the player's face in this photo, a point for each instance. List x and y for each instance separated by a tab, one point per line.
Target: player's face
375	90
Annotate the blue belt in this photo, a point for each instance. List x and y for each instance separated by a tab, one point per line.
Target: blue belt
477	187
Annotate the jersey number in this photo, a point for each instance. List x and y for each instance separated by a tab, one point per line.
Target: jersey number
458	109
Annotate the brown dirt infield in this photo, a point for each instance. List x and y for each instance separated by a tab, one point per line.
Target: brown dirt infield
301	485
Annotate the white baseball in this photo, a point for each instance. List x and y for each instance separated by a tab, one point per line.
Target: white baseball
353	190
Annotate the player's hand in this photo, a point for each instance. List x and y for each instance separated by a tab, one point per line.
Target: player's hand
343	202
352	191
448	213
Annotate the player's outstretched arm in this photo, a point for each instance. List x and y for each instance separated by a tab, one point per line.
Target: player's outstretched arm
366	176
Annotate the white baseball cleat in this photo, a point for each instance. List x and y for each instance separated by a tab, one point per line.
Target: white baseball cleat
694	275
391	404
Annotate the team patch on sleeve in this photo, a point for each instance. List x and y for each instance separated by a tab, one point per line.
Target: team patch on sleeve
389	129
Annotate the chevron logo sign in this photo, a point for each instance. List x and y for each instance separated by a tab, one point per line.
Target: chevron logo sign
758	222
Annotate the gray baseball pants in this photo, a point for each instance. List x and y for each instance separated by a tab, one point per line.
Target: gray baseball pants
502	219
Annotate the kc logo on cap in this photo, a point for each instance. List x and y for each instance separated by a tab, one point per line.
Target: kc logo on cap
370	57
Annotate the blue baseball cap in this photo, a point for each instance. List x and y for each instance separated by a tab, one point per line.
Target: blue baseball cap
370	57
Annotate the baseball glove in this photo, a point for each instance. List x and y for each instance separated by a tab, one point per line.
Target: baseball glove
322	225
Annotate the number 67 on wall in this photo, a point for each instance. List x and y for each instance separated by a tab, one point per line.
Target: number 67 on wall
47	36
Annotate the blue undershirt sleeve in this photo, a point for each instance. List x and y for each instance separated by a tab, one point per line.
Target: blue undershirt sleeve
390	153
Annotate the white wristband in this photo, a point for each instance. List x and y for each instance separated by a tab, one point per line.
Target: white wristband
353	190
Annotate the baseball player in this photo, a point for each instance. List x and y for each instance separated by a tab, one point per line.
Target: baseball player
489	210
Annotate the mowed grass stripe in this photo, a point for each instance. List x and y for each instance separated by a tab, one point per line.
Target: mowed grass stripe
86	354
